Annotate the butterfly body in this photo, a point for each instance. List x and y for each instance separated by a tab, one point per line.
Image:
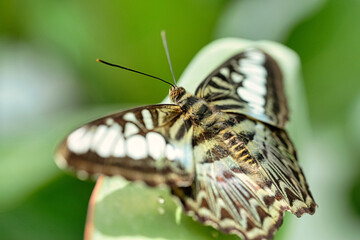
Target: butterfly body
227	148
222	150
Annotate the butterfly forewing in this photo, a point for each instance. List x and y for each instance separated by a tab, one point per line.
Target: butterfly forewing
138	144
249	83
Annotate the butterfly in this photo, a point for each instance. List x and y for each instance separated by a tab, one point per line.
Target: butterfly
222	150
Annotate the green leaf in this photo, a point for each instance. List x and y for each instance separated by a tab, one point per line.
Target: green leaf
133	211
54	211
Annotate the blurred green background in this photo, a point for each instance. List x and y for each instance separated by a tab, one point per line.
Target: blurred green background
50	83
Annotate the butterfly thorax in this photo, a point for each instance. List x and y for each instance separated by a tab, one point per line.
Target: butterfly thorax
196	109
216	128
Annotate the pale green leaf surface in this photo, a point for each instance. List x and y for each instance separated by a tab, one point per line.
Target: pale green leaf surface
133	211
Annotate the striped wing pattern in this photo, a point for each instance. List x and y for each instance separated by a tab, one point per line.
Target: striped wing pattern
249	83
222	151
147	143
275	153
237	190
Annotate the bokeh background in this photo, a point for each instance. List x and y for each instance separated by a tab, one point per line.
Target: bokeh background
51	83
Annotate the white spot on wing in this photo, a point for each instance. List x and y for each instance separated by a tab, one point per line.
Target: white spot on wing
236	77
82	175
225	71
156	145
76	135
60	161
257	79
250	96
104	149
130	117
119	148
99	134
256	55
176	154
257	109
147	119
136	147
255	87
251	68
109	121
170	152
186	156
79	141
130	129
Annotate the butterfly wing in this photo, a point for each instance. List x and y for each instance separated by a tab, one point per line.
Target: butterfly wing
236	190
248	83
151	144
274	152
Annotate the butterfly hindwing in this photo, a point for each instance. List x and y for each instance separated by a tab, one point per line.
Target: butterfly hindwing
275	153
248	83
138	144
236	189
230	188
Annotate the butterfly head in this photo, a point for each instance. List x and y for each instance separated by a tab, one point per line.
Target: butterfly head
176	93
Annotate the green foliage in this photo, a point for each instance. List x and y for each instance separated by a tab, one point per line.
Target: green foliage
55	211
328	46
134	210
38	202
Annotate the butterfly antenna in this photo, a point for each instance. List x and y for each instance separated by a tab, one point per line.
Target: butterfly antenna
163	36
132	70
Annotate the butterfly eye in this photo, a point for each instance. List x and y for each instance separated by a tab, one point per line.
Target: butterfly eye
176	93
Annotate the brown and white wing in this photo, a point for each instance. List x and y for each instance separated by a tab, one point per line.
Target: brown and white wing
150	144
236	190
248	83
228	196
274	152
